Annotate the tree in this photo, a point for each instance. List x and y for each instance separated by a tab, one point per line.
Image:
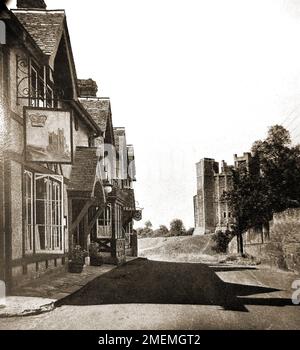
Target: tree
145	231
271	184
164	231
177	228
148	224
280	166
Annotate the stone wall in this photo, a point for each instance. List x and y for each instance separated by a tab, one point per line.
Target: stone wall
24	274
281	247
284	246
132	251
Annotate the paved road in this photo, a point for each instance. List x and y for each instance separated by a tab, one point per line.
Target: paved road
167	295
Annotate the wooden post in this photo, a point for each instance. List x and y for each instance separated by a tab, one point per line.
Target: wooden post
134	244
70	220
80	216
8	225
85	231
2	230
113	230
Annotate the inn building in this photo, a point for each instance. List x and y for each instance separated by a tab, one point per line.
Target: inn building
66	173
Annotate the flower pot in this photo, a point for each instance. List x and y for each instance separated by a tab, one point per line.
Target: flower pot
96	260
75	268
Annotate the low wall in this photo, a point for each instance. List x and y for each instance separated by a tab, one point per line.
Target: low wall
132	249
24	274
285	239
279	248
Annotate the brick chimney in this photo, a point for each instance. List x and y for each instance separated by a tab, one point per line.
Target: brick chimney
87	88
31	4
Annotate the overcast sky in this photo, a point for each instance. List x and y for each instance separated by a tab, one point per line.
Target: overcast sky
188	79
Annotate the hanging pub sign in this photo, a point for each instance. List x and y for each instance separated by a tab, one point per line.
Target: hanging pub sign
138	216
48	135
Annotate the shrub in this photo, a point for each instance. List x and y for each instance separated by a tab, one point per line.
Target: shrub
222	240
190	231
78	255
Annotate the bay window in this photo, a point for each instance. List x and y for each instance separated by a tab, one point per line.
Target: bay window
43	213
28	190
118	222
49	227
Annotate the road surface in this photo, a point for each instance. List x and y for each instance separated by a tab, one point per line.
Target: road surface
158	295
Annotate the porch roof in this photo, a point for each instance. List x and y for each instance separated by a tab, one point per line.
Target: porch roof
85	180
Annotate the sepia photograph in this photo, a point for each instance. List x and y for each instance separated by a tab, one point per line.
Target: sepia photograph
150	170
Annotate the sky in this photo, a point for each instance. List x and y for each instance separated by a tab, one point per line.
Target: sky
188	79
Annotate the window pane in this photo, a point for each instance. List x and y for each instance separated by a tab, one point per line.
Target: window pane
28	181
49	214
41	188
40	212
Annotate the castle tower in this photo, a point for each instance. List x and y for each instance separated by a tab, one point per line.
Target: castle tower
204	207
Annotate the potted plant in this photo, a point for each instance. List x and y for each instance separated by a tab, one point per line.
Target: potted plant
77	260
95	256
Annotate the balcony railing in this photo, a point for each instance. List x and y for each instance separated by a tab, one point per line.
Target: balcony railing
33	89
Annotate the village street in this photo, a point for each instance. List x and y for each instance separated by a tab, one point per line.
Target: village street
145	294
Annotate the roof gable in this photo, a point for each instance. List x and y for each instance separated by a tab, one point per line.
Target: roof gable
48	28
44	26
100	110
85	173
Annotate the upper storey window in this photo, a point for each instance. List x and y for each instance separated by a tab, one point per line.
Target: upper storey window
41	88
35	84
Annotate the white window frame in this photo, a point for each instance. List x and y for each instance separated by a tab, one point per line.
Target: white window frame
107	220
119	234
51	102
59	179
34	95
29	251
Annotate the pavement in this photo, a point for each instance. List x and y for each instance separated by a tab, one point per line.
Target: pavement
42	295
158	295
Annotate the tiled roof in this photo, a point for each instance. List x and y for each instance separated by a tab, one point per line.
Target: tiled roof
44	26
99	110
84	170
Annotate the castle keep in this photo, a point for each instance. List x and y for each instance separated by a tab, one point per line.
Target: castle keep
211	211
